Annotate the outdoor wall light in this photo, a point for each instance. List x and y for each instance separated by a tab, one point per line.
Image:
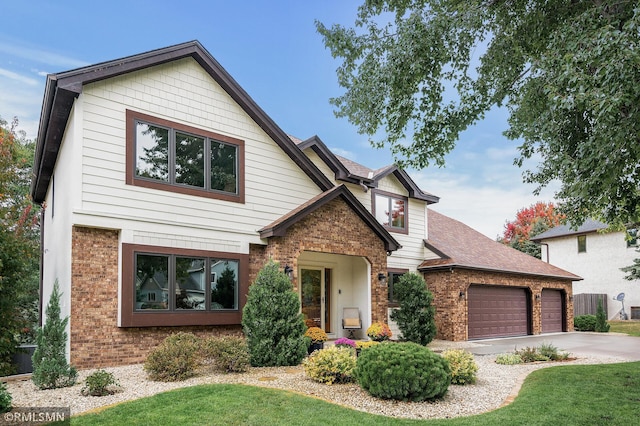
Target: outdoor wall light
462	295
538	296
382	278
289	271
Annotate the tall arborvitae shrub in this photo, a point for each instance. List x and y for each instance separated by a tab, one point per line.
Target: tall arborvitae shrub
602	326
272	321
416	315
50	367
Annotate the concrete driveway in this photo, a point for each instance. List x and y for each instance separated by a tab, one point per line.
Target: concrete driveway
622	346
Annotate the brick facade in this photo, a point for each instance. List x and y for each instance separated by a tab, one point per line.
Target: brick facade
96	340
334	228
451	309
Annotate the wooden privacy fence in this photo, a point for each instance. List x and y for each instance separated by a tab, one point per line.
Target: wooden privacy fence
587	303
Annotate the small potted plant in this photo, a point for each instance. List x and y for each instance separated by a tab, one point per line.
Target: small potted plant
317	337
379	332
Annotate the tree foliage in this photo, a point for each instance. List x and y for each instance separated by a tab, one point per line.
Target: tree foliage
420	72
530	221
19	243
272	321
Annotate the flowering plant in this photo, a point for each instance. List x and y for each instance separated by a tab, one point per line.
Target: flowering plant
361	344
316	334
343	341
379	332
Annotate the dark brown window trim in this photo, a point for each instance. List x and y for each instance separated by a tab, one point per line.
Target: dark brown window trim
131	178
395	271
404	230
131	318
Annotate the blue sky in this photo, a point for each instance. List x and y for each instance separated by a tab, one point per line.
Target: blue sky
272	49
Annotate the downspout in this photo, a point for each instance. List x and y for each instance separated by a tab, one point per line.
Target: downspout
364	187
41	284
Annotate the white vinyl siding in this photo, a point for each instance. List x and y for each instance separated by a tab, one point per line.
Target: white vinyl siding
181	92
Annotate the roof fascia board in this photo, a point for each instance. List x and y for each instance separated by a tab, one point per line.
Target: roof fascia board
414	190
438	252
450	267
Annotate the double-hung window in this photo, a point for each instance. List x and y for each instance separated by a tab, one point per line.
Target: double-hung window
391	211
174	157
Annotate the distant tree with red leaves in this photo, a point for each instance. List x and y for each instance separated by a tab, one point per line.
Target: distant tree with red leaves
530	221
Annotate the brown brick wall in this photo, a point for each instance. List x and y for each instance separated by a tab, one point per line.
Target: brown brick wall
334	228
451	310
96	339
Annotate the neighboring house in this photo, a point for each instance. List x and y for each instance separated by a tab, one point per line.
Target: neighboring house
167	188
597	255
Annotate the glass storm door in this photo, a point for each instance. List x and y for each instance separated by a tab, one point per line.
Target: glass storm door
312	294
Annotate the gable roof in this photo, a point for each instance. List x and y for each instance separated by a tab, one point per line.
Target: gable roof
589	226
279	227
460	246
63	88
347	170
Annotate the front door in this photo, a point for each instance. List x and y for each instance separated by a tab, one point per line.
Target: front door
312	295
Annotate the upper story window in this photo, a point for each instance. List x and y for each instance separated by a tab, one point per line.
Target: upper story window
391	210
582	243
174	157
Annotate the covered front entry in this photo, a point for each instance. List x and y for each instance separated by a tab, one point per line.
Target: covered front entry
496	311
552	311
328	283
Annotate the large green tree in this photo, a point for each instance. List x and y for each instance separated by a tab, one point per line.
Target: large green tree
19	243
417	73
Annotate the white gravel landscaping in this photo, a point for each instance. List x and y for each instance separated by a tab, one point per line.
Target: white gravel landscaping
496	385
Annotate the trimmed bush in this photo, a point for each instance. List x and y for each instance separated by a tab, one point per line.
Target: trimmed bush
403	371
272	321
50	367
508	359
175	359
100	383
416	315
585	323
229	354
331	365
602	326
463	366
5	399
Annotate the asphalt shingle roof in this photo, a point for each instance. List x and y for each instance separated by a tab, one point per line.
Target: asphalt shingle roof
590	225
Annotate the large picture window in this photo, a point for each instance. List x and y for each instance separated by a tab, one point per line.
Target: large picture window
163	286
391	211
174	157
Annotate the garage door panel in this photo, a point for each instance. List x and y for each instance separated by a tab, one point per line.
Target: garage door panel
552	321
497	312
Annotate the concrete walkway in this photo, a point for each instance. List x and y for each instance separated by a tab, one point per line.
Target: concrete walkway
617	345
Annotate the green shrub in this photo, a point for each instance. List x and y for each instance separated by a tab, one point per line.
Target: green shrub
403	371
508	359
602	326
416	314
229	354
175	359
272	321
50	367
100	383
531	354
585	323
550	352
331	365
5	399
463	366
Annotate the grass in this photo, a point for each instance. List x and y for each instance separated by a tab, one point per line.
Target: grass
632	328
605	394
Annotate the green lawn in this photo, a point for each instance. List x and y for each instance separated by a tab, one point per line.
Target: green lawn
631	328
607	394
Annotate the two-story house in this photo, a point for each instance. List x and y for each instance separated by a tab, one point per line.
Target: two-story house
596	253
166	188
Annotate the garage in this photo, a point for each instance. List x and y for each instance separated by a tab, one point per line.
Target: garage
495	311
551	311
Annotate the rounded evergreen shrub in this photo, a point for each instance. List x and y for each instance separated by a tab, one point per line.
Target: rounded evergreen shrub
463	366
229	354
100	383
175	359
331	365
403	371
585	323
